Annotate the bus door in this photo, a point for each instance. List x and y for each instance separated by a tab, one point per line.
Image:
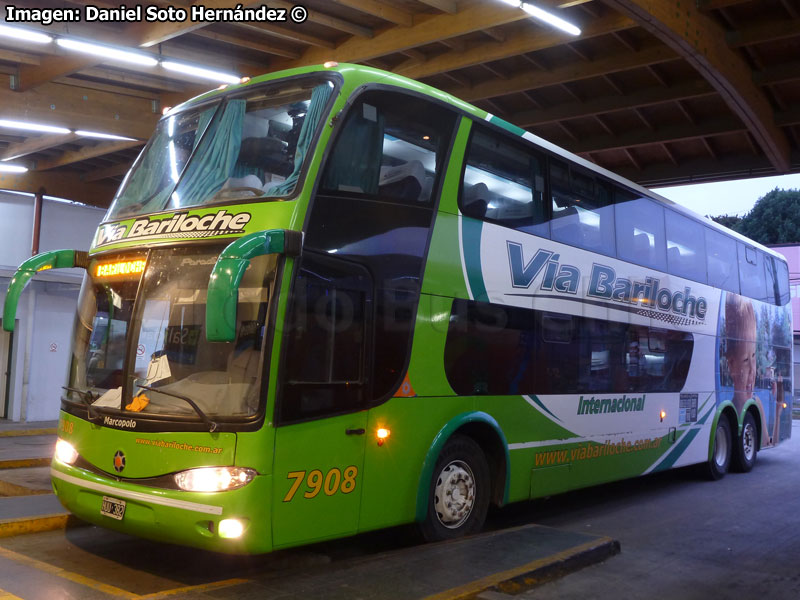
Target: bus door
320	415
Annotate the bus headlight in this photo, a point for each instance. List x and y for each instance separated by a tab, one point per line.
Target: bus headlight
65	452
214	479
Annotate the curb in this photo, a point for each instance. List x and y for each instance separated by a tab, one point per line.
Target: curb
24	463
12	527
525	577
13	489
24	432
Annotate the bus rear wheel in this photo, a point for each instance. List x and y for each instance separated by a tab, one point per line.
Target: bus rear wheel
458	497
721	454
747	446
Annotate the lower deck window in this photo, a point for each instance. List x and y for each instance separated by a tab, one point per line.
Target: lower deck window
499	350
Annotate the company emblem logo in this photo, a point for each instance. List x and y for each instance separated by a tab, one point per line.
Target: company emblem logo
119	461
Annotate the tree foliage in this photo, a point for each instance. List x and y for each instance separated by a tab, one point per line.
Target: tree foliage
775	218
729	221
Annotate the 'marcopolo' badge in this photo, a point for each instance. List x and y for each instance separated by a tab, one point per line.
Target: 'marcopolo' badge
119	461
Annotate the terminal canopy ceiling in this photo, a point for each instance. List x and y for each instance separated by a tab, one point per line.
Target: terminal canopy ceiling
660	91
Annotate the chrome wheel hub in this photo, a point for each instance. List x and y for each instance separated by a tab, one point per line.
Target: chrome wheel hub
454	494
720	450
749	441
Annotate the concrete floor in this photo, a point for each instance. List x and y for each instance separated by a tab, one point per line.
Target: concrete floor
681	537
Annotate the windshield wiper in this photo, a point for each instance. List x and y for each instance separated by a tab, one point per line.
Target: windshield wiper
212	426
86	397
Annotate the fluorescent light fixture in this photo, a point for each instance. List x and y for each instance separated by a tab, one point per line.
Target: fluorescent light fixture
4	168
550	19
25	35
103	136
107	52
32	126
200	72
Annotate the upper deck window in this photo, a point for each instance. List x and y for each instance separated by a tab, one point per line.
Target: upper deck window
503	183
247	146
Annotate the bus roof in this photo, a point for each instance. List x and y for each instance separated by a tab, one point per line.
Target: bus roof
359	74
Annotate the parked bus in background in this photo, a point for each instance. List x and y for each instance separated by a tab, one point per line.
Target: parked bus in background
333	299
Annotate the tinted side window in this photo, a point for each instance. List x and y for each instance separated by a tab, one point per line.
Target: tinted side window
685	247
751	273
390	146
782	275
503	182
375	208
723	271
583	212
324	367
496	349
640	231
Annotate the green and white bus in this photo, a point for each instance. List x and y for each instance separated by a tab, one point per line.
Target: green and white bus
332	299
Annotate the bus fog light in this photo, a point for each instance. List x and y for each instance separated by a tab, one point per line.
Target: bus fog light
231	528
214	479
65	452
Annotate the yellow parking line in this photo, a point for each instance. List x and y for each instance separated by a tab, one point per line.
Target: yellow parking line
4	595
476	587
205	587
27	432
63	573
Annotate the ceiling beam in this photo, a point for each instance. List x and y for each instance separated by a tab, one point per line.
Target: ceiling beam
105	173
319	18
62	185
520	43
606	104
136	34
80	108
36	144
380	10
86	153
646	137
700	40
448	6
297	37
621	61
700	170
235	40
717	4
763	32
427	30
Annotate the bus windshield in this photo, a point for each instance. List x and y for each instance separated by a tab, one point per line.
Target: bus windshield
250	145
164	330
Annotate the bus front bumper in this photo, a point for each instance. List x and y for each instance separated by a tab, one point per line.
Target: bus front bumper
172	516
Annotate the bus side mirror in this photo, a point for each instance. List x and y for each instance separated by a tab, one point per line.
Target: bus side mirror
55	259
223	285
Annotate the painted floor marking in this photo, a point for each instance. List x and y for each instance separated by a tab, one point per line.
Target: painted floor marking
105	588
204	587
476	587
64	574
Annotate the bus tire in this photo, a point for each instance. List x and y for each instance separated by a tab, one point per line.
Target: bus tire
721	454
459	491
746	451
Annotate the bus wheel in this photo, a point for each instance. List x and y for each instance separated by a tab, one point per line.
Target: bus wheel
747	446
459	491
721	455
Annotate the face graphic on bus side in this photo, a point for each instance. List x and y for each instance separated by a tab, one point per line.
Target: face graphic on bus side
740	323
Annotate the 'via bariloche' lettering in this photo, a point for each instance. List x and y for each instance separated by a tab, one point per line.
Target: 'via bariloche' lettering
603	283
178	225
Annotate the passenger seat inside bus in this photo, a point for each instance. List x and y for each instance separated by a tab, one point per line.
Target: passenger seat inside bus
405	182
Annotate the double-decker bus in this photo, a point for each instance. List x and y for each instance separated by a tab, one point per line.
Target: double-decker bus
332	299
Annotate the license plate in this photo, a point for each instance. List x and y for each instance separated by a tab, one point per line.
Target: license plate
113	508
